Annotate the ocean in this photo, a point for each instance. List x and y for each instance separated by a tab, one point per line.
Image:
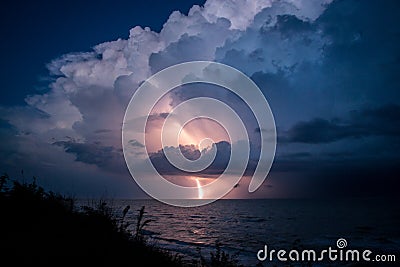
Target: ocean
243	227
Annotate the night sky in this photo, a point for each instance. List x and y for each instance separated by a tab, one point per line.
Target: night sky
329	70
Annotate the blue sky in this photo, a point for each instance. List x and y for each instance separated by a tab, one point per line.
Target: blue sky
329	70
37	32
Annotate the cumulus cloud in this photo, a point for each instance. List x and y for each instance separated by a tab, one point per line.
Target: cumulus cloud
90	90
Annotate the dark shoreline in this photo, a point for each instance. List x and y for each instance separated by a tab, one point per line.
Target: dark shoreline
40	228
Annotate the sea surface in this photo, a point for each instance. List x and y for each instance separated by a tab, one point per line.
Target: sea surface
243	227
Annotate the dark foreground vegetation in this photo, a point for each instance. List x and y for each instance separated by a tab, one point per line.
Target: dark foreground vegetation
39	228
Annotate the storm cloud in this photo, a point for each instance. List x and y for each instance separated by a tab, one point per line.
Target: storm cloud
218	166
329	71
382	121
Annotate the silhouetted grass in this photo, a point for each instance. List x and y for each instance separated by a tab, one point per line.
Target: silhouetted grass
39	228
218	258
42	228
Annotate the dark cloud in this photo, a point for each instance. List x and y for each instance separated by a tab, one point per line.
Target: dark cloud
340	177
135	143
189	151
157	116
297	156
219	164
290	25
362	58
388	114
105	157
100	131
320	131
382	121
